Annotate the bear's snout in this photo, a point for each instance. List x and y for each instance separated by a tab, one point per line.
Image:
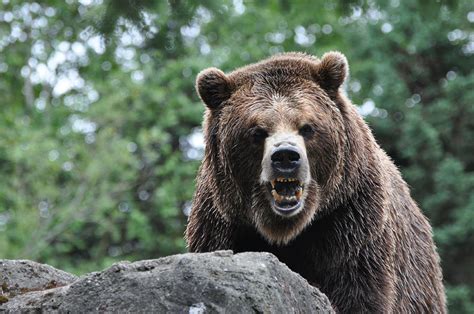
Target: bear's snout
285	172
285	157
285	160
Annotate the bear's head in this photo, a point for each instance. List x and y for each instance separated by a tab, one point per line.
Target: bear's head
275	137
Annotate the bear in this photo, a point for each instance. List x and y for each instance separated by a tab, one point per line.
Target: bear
291	168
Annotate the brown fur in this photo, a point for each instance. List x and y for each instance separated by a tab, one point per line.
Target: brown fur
360	237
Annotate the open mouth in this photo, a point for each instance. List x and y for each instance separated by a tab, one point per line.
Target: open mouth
287	195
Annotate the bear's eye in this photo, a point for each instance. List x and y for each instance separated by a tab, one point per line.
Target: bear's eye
258	135
306	131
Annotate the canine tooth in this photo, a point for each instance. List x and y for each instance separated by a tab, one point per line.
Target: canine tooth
298	193
276	196
273	183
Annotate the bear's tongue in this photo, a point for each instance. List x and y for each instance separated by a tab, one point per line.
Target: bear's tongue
286	192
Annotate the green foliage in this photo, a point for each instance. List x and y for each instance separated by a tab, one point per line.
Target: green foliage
100	119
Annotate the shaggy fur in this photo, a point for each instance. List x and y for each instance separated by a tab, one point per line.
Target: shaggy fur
360	237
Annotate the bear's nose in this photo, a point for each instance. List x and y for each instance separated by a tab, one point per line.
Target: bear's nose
285	159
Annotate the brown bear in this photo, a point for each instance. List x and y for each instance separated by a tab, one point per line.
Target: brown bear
291	168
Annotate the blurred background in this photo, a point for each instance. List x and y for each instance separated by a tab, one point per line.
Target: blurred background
100	134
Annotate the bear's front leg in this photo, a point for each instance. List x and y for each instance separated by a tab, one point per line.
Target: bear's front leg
363	283
207	230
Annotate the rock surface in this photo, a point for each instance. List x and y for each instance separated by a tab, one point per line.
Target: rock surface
21	276
186	283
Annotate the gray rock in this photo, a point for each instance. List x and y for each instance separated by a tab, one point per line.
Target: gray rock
187	283
21	276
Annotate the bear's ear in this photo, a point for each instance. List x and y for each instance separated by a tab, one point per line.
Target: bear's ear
331	71
214	87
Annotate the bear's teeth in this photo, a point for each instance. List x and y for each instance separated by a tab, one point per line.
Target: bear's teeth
299	192
279	198
281	179
276	196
